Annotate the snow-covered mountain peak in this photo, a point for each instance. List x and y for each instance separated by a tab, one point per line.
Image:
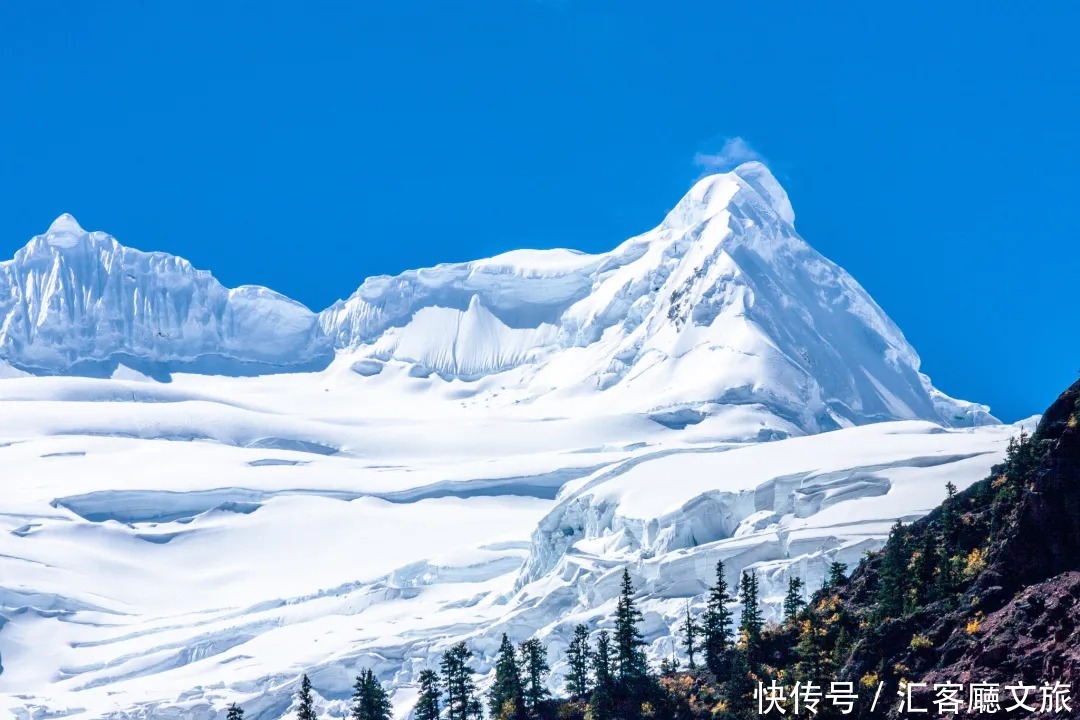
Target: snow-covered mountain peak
66	224
750	183
722	304
66	238
761	179
64	233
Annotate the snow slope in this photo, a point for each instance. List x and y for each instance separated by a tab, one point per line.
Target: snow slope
208	492
169	549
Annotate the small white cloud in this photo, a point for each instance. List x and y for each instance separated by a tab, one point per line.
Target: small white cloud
735	151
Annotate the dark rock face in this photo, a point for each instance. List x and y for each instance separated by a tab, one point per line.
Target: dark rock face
1018	620
984	589
1045	537
1034	639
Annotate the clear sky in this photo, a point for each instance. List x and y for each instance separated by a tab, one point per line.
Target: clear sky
930	149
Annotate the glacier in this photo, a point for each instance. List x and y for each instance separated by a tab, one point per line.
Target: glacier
209	491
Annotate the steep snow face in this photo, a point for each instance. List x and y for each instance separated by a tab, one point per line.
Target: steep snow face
722	303
462	344
74	300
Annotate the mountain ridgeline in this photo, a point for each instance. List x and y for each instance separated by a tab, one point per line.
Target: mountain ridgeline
723	295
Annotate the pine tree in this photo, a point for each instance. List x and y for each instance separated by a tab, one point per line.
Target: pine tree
306	711
948	574
602	702
924	571
461	702
691	631
427	704
534	666
381	707
629	653
738	691
716	625
892	580
842	649
814	658
837	575
505	699
361	697
578	657
603	662
370	700
949	520
751	622
793	601
235	713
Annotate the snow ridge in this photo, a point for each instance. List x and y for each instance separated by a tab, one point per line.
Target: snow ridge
71	301
722	303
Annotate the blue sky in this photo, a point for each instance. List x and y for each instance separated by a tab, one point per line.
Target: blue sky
931	151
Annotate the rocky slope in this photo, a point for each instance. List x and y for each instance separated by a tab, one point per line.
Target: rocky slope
986	588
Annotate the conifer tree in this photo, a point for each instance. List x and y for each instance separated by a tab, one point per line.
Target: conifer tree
948	573
892	580
690	631
505	699
461	702
738	691
842	649
629	653
534	667
602	703
716	624
793	601
837	575
306	709
751	622
235	713
370	700
427	704
815	658
924	571
603	661
579	658
949	520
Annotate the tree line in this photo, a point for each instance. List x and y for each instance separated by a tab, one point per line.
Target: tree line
609	679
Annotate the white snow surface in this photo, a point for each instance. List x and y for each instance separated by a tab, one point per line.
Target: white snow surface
208	492
74	300
722	303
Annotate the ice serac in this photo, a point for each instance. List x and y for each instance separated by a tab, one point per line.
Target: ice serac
77	301
721	304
